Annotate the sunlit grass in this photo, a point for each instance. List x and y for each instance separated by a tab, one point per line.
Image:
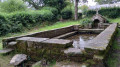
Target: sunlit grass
117	20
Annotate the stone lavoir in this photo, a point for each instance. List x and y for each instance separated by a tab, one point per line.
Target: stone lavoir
71	43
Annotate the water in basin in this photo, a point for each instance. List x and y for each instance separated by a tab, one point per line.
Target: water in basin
79	40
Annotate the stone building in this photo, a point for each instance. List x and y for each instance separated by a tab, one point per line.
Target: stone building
98	20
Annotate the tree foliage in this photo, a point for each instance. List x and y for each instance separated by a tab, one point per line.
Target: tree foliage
12	5
59	4
37	4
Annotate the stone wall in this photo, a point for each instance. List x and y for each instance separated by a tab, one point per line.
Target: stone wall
44	34
101	43
38	48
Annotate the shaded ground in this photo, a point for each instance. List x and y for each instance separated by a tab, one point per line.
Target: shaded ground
68	64
114	55
4	61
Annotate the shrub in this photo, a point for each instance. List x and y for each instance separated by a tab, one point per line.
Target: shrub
20	17
32	17
86	21
16	21
8	27
66	13
4	26
91	13
112	12
12	6
52	9
46	15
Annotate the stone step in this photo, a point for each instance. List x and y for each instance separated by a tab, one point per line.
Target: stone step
74	54
18	59
12	43
73	51
5	51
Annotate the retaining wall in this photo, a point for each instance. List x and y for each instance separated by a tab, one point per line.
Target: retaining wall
44	34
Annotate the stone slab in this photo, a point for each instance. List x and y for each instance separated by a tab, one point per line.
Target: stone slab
12	43
17	59
4	51
73	51
32	39
57	41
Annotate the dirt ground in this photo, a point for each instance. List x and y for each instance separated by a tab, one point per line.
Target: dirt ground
69	64
4	61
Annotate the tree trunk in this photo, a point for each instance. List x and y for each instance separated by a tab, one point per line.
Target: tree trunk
76	9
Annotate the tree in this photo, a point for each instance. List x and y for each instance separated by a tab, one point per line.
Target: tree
84	9
59	4
37	4
12	5
76	9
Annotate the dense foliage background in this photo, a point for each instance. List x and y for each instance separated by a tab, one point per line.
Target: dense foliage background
112	12
16	16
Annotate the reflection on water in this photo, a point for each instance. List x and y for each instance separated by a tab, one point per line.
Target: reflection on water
79	40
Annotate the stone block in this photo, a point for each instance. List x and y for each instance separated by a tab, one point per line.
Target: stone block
100	44
17	59
58	43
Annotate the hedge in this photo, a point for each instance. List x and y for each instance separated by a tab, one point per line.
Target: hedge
52	9
113	12
66	13
15	22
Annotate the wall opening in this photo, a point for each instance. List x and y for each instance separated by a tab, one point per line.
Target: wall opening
95	23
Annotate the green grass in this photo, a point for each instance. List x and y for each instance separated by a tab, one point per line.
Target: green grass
117	20
112	60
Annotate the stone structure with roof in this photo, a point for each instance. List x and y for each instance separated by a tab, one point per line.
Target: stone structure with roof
98	20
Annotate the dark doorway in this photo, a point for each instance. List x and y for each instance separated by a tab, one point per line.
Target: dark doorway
95	23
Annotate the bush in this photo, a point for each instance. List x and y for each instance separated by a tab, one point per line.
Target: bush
12	6
91	13
112	12
32	17
15	22
46	15
86	21
52	9
4	26
66	13
8	27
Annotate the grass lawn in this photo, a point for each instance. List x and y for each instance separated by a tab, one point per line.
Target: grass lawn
114	55
117	20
